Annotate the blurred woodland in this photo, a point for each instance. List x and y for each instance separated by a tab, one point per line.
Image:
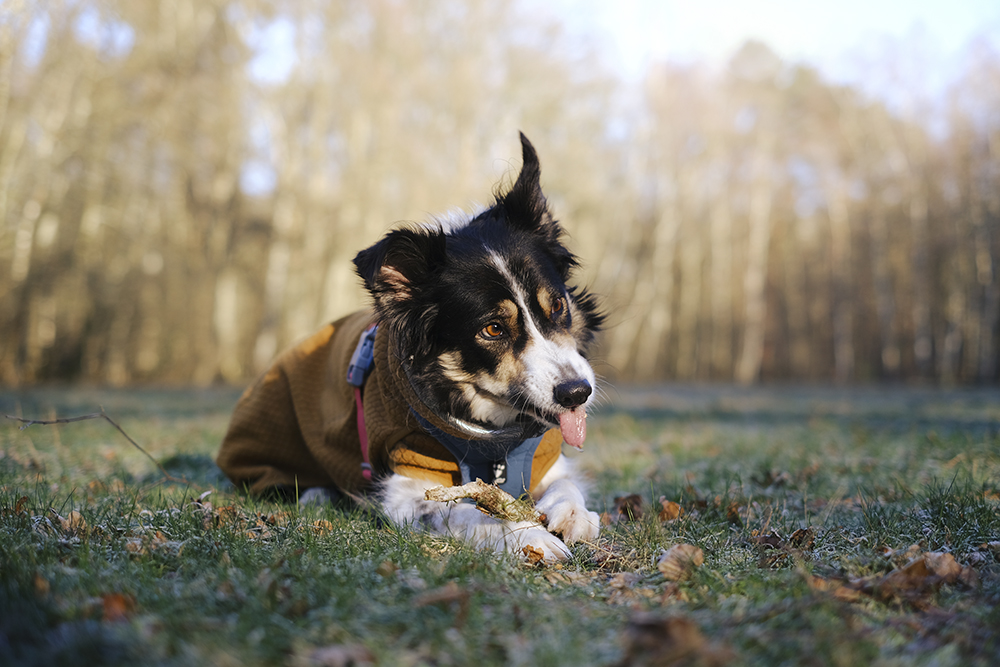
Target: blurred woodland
174	209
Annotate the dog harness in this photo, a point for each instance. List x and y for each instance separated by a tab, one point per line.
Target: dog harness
505	462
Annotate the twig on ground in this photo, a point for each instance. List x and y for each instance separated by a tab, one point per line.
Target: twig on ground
25	423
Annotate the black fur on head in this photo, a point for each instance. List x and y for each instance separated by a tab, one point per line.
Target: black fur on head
524	208
422	278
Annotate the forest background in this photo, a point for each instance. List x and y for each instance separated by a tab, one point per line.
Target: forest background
171	213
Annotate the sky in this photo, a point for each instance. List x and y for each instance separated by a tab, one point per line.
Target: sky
839	36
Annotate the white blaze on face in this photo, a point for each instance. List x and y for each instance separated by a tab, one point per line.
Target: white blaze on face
549	362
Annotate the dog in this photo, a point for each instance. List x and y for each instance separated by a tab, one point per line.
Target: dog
471	365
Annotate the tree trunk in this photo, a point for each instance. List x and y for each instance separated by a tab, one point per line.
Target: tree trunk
754	280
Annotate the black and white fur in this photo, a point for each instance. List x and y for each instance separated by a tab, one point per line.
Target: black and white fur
491	336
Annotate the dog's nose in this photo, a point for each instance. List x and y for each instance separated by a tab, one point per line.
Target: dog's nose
572	394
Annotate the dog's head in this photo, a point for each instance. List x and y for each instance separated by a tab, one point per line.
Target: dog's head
481	315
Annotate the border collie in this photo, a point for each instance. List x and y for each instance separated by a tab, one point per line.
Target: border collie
483	343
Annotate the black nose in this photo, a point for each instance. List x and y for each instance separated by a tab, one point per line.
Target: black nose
572	394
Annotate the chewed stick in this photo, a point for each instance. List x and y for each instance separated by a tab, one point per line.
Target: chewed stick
97	415
489	499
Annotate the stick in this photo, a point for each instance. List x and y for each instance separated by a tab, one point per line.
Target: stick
489	499
97	415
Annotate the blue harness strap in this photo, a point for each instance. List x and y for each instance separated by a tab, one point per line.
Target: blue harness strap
507	465
360	367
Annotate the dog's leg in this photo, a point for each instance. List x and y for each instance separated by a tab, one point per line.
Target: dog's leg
318	495
404	502
562	503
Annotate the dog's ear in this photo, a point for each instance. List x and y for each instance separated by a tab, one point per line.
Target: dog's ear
399	271
403	260
524	206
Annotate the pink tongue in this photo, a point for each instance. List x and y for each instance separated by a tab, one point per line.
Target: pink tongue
573	425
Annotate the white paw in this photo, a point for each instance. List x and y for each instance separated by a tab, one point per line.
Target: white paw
566	514
316	495
531	535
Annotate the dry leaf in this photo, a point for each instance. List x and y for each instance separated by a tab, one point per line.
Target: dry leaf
117	607
386	569
775	551
321	527
41	585
835	588
733	514
533	555
629	507
674	640
673	591
554	577
679	561
912	583
803	539
447	594
943	565
74	523
669	510
157	543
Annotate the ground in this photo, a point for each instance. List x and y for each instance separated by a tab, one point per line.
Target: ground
835	526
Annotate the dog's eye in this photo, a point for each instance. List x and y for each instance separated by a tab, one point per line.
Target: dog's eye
557	308
491	331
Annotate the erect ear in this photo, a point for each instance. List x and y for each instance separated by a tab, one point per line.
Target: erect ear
525	208
395	267
524	205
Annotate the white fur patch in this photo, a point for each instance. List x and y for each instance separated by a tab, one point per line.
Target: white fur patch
454	218
403	501
547	362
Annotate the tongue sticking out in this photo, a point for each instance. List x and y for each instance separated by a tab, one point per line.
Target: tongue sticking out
573	425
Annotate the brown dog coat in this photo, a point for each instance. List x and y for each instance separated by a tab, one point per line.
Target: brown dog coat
297	424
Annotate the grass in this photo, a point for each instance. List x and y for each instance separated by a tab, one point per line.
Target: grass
103	562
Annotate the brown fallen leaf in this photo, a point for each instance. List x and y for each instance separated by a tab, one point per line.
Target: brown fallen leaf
74	523
386	569
445	595
117	607
733	514
673	592
912	583
41	585
679	561
673	640
565	577
629	507
532	554
803	539
835	588
669	510
155	543
770	478
775	551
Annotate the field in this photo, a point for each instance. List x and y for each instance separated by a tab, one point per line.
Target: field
841	527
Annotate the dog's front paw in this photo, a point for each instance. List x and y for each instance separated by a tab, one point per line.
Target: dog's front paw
317	495
566	514
521	540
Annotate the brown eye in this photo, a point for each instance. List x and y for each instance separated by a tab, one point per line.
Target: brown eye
491	330
557	308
